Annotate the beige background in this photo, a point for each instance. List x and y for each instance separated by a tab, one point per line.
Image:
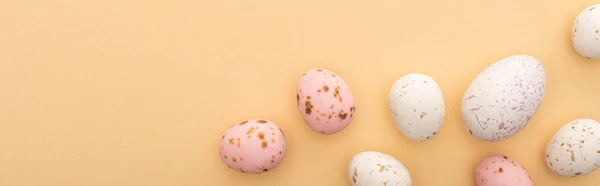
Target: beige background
138	92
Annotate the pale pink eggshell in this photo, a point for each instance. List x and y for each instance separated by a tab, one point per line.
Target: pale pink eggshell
325	101
500	170
253	146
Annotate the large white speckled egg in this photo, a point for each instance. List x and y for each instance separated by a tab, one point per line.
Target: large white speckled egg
575	149
325	101
503	98
417	106
585	33
376	168
253	146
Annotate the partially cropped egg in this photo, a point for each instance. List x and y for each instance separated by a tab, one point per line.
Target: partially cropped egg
500	170
253	146
585	33
376	168
575	149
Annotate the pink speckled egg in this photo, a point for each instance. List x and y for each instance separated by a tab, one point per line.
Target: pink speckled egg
500	170
325	101
253	146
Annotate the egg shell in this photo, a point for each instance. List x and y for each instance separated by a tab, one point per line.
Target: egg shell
500	170
253	146
417	106
585	32
325	101
376	168
575	149
503	98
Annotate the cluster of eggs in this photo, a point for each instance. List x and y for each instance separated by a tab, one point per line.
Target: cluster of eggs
498	103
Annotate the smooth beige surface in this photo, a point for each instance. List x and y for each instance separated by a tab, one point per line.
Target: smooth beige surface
128	93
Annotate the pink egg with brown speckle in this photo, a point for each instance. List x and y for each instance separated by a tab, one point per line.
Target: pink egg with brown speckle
500	170
253	146
325	101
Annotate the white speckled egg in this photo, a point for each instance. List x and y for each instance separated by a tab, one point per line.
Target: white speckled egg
376	168
575	149
502	99
253	146
585	33
417	106
325	101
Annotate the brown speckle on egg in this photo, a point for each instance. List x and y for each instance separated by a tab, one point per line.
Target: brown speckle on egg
264	145
273	140
250	130
262	121
225	156
434	133
238	142
505	157
261	136
577	174
234	159
471	132
231	141
500	170
319	70
325	88
309	107
243	122
342	115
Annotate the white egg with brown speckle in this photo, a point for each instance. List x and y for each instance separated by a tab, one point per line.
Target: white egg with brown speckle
575	149
585	33
417	106
376	168
503	98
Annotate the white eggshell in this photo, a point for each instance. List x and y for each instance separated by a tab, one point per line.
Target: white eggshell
585	33
376	168
417	106
575	148
502	99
